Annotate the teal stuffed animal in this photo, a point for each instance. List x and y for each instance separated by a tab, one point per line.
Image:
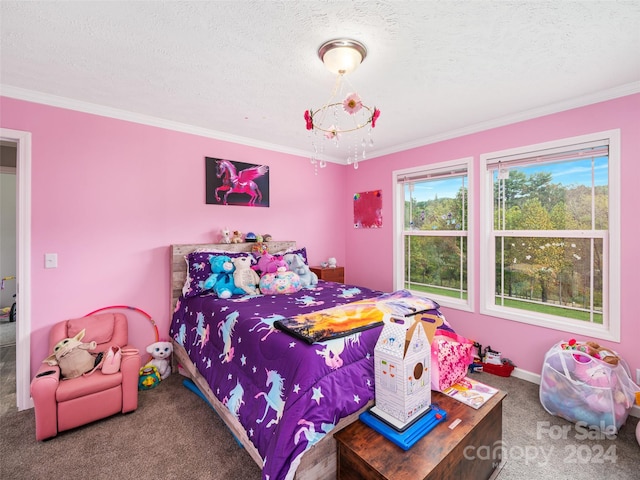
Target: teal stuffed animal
221	279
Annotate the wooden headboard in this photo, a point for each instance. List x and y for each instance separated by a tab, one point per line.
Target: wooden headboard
178	265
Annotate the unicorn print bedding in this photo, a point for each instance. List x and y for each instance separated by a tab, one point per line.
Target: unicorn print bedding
287	394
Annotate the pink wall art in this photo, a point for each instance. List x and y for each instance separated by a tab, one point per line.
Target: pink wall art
236	183
367	209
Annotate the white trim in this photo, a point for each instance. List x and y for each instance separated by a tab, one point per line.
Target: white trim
602	96
101	110
611	302
23	264
63	102
398	228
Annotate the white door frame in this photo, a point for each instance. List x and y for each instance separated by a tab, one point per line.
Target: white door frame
23	264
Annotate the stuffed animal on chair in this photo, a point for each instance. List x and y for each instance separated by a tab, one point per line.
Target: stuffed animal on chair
73	356
161	352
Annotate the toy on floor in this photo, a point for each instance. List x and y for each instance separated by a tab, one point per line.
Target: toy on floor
149	378
161	353
577	385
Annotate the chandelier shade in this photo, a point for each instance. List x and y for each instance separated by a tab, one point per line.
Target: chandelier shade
342	56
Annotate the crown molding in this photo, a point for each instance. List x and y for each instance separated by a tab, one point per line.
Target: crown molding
602	96
92	108
118	114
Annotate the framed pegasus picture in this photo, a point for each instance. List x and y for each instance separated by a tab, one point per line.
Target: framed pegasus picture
236	183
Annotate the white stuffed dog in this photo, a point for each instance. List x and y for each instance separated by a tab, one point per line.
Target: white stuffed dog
161	351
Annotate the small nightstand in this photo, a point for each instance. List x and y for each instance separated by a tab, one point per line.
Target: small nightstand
329	274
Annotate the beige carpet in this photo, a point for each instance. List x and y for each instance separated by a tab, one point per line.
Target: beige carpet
7	333
174	434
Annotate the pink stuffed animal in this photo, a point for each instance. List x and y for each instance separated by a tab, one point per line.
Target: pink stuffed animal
270	264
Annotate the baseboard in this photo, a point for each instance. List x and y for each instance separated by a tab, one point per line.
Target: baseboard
526	375
535	378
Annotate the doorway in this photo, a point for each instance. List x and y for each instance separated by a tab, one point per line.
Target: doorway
22	142
8	250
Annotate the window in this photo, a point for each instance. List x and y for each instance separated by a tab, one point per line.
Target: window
550	227
432	234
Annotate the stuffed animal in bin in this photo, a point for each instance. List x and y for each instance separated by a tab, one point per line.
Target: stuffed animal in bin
296	264
244	277
161	354
73	357
604	353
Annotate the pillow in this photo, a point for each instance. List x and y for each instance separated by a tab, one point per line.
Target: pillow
279	282
199	269
451	355
97	327
300	251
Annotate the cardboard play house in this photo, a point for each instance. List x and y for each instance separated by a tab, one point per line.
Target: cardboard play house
403	370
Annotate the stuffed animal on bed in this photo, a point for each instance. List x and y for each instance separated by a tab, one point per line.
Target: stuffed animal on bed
279	282
268	263
73	356
244	277
221	278
160	353
296	264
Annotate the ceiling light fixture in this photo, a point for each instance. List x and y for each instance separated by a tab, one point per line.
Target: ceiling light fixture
348	115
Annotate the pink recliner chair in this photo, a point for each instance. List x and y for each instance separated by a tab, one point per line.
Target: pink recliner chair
62	404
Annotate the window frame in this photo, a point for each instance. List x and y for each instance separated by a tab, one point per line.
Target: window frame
610	327
466	164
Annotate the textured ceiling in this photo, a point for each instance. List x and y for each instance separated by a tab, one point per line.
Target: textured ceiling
247	70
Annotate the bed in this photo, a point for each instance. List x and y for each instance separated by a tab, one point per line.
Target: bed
281	397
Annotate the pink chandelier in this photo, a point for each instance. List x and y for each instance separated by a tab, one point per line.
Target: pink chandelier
344	113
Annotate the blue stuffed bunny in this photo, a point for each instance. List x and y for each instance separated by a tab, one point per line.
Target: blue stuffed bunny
221	280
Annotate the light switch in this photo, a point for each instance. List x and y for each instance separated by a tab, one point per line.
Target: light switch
50	260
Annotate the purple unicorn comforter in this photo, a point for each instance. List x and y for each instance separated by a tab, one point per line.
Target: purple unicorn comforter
286	393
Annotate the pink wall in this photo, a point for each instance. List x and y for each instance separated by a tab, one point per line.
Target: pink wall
110	196
524	344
